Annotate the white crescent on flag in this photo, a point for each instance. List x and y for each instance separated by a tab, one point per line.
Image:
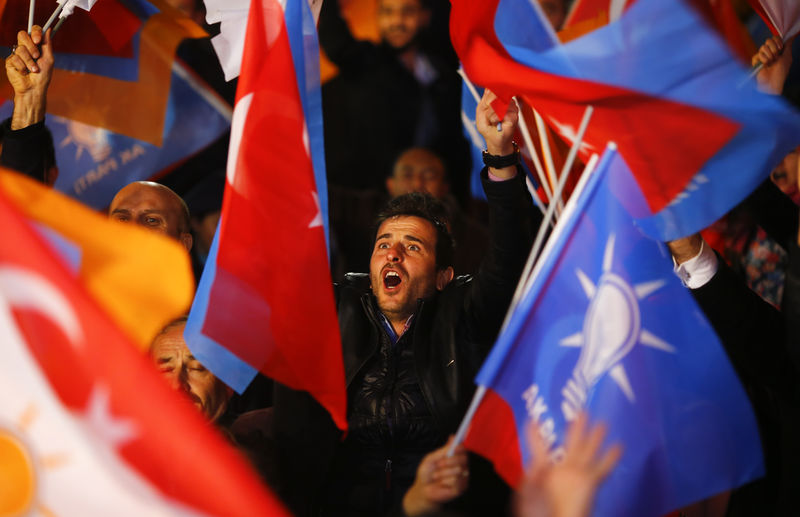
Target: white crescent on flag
59	462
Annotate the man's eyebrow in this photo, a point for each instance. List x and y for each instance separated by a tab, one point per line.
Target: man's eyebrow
383	236
164	359
414	238
120	211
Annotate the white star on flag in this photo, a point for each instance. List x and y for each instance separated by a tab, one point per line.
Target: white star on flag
317	221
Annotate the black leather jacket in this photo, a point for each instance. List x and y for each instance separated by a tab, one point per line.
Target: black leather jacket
452	333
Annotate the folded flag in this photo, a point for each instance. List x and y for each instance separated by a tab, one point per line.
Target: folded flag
607	328
781	16
87	425
265	300
675	111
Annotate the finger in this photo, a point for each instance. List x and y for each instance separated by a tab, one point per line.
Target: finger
24	41
28	62
25	60
575	434
537	445
593	443
449	472
778	42
36	34
14	62
47	46
765	56
608	461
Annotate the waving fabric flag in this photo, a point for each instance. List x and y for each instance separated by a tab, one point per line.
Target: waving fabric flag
87	426
587	15
608	328
141	290
675	111
781	16
120	107
265	300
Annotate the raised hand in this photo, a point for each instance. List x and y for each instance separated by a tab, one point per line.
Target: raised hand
29	69
439	479
566	489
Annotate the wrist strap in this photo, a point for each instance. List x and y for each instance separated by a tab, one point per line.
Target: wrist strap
500	162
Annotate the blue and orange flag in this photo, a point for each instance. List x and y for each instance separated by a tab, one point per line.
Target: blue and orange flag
669	96
265	300
120	106
607	328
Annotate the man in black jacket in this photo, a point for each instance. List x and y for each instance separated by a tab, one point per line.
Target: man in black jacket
402	92
413	338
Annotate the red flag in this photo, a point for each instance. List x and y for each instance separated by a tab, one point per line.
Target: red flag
87	426
271	263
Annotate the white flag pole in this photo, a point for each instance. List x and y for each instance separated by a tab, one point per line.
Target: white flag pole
31	7
524	284
526	137
548	158
576	145
53	17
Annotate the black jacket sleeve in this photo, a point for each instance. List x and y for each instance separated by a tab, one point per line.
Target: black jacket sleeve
791	303
513	222
750	329
24	149
335	38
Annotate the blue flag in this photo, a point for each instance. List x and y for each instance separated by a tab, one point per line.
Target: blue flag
608	328
663	85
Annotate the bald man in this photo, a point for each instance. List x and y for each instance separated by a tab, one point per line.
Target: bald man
155	207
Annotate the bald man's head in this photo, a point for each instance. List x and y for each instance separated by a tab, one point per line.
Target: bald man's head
155	207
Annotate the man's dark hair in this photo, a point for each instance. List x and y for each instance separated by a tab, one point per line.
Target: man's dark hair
424	206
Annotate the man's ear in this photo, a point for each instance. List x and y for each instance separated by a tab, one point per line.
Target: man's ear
443	277
186	240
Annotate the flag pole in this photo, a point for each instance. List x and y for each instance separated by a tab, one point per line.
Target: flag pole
480	391
526	137
58	25
548	157
531	189
470	86
523	286
576	145
31	7
53	17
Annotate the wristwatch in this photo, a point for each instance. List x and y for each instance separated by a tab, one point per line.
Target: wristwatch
499	162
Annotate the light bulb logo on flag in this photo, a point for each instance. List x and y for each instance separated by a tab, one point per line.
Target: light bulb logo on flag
606	341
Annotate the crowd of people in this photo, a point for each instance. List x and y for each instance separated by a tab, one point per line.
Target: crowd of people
424	277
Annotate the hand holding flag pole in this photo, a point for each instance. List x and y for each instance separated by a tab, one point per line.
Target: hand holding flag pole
530	272
531	149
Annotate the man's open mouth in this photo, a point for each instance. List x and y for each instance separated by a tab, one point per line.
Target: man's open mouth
391	279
